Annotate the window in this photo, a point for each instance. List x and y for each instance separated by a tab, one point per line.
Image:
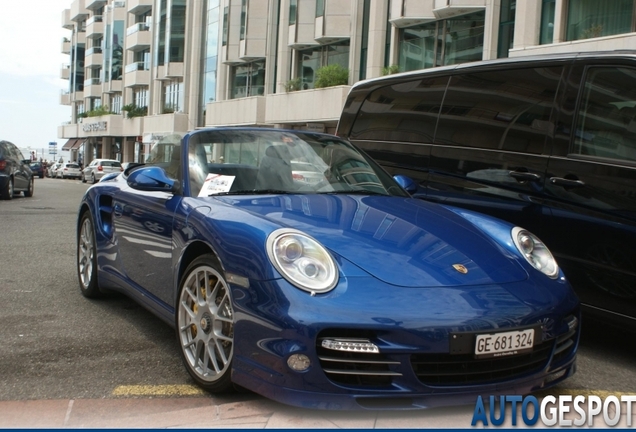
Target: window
547	22
226	27
320	8
312	59
444	42
504	110
607	120
248	80
115	103
593	18
243	19
293	7
172	97
140	95
506	27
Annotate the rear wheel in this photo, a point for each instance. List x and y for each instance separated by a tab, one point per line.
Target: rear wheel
87	258
92	178
7	192
205	325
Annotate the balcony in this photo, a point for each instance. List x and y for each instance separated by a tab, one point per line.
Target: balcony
166	123
302	34
170	71
321	105
112	86
66	46
67	130
406	13
77	96
451	8
137	74
94	26
335	24
95	4
93	87
138	7
133	126
65	97
138	37
65	72
247	111
93	57
66	20
78	11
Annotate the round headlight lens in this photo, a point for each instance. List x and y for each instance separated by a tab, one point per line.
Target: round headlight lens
302	260
535	252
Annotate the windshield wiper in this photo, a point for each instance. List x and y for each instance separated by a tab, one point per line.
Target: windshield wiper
254	192
353	192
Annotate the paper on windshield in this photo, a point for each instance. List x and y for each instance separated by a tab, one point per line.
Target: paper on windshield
216	183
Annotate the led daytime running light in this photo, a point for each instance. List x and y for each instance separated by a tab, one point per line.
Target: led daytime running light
351	345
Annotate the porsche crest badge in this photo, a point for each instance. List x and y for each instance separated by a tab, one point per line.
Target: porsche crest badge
460	268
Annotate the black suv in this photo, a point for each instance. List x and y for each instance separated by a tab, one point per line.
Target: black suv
15	174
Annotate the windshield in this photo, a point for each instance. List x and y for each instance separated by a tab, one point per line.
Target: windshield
254	161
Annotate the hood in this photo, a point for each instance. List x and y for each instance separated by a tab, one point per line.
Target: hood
401	241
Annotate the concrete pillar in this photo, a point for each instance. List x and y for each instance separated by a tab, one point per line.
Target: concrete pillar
378	22
527	24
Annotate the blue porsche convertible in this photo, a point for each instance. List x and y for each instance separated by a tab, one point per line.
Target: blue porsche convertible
290	264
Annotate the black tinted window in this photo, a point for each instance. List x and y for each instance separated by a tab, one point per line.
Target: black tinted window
111	164
404	112
504	110
607	117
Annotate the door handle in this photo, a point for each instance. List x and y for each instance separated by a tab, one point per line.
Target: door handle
567	183
118	210
524	176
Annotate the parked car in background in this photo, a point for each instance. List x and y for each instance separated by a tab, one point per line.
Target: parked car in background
37	168
100	167
545	142
52	169
15	174
344	293
68	170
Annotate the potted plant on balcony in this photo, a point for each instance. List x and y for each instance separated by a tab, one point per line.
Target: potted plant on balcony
331	75
133	110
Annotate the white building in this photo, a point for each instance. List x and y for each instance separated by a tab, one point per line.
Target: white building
142	69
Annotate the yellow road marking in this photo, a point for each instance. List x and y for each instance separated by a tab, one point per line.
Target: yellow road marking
158	390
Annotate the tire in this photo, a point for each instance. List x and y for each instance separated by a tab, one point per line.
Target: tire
87	258
92	178
83	178
7	192
205	325
29	192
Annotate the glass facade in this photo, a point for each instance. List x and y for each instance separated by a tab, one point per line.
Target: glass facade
248	80
293	7
593	18
506	27
547	22
170	32
444	42
210	56
312	59
113	59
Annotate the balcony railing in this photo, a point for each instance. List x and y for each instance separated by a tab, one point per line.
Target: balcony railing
137	66
93	50
92	81
136	28
94	19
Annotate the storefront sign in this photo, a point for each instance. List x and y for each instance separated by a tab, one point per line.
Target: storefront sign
95	127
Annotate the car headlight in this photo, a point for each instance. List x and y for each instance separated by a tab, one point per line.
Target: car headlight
302	260
535	252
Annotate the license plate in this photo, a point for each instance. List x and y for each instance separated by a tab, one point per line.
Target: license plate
504	344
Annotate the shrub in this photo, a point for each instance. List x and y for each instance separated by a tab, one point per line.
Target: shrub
390	70
293	85
331	75
133	110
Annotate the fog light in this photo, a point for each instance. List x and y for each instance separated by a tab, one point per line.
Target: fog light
298	362
351	345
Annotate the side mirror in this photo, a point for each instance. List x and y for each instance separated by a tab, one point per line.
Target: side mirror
152	179
406	182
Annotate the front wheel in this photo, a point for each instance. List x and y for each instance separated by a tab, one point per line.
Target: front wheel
87	258
29	192
205	325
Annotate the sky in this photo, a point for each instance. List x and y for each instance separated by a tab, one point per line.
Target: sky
30	68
